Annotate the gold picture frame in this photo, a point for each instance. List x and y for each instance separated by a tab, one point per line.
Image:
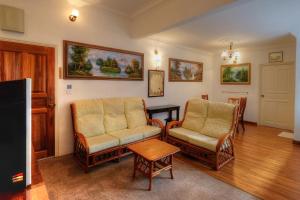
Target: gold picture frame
235	74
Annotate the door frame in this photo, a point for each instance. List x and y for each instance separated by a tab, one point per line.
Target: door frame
292	63
55	81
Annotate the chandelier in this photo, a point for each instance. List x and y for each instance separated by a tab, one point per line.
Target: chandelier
231	54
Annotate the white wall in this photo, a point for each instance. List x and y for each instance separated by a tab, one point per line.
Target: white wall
297	93
255	56
46	22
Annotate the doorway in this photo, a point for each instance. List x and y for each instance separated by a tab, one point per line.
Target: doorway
19	61
277	93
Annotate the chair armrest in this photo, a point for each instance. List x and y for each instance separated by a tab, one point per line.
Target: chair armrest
156	122
82	140
223	140
173	124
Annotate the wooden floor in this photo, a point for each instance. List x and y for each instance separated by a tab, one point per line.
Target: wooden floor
266	165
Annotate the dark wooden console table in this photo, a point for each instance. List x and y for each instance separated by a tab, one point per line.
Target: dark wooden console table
164	108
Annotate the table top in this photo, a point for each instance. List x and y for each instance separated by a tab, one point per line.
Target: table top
154	149
168	106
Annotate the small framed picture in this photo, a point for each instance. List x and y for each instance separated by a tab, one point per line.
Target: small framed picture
156	79
275	57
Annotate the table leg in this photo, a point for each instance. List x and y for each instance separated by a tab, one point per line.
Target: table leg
171	169
134	166
150	175
150	115
177	114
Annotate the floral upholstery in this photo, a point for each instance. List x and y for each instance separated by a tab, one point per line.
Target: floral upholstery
195	115
114	114
89	117
135	113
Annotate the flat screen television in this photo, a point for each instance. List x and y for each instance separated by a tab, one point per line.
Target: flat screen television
15	135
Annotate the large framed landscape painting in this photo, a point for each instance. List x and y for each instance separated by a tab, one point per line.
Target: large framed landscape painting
85	61
236	74
185	71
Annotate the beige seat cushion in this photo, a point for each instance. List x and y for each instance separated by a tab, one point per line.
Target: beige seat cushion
89	117
135	113
101	142
114	114
196	114
148	131
126	136
194	138
219	120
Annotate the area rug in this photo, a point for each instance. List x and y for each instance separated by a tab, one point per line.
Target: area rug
286	135
113	181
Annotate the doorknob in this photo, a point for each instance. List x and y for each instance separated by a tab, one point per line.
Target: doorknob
262	96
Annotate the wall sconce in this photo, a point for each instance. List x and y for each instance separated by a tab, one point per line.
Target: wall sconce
74	15
157	58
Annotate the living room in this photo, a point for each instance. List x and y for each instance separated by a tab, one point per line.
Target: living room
259	38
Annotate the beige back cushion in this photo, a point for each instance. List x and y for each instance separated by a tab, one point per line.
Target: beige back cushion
114	114
89	117
135	113
195	115
219	119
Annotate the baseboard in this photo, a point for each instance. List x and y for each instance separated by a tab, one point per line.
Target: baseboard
251	123
296	142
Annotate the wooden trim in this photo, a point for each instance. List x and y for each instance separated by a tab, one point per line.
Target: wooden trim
235	83
297	142
181	60
251	123
151	70
65	61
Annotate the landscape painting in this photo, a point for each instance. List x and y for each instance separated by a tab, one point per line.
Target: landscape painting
236	74
185	71
84	61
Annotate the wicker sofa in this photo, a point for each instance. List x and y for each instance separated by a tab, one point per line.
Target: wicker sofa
205	132
104	127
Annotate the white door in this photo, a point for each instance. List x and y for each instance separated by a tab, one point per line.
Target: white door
277	95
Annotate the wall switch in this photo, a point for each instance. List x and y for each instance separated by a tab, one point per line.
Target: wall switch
69	89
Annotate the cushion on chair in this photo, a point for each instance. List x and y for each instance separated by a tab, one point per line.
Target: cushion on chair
114	114
126	136
89	117
101	142
194	138
219	119
148	131
135	113
196	114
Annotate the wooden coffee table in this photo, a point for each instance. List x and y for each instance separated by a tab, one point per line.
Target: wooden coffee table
152	157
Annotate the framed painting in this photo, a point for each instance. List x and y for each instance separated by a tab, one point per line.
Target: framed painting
185	71
156	80
86	61
276	57
236	74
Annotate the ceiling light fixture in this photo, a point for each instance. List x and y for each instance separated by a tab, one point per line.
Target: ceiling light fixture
231	54
74	15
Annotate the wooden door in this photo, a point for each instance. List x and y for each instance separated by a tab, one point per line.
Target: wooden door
277	95
19	61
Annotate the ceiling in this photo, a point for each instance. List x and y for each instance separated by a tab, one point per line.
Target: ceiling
246	23
128	8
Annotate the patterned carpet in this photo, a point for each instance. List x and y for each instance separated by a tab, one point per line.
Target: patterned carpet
113	181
